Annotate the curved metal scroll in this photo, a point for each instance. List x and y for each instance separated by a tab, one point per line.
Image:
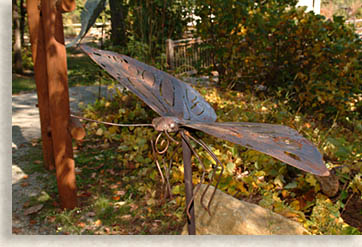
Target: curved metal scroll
164	93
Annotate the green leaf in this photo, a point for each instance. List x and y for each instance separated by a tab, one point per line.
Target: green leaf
311	179
230	167
176	190
291	185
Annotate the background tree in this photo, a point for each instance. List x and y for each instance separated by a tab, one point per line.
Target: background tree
119	12
152	22
22	20
287	50
18	64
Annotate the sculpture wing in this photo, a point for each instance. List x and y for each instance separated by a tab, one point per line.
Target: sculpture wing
278	141
164	93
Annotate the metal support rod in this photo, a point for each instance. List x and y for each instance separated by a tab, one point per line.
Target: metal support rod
186	154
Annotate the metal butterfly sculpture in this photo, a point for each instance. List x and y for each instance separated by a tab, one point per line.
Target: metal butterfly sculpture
181	107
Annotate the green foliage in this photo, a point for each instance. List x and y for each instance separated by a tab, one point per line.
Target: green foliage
120	189
22	83
275	44
81	71
145	34
152	32
248	175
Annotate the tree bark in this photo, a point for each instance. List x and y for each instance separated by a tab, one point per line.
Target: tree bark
22	20
118	14
18	63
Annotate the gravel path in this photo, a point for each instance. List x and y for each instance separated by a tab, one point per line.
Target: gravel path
25	129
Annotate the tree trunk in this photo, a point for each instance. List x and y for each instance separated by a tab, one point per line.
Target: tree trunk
18	63
22	20
118	14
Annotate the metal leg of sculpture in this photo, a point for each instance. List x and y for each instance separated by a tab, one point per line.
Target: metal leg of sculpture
167	171
186	154
218	163
198	186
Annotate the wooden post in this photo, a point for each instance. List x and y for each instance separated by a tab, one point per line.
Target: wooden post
76	129
54	66
64	6
41	80
170	53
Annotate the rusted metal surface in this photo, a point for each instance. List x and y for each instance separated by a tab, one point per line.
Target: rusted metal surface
164	93
64	6
41	79
182	108
186	155
278	141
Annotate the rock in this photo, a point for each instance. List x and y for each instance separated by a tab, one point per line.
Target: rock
329	184
231	216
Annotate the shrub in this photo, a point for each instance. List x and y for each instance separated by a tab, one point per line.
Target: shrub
291	52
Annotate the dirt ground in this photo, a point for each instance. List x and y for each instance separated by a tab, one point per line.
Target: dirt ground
25	130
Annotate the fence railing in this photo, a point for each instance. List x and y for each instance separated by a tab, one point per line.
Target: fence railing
357	24
187	55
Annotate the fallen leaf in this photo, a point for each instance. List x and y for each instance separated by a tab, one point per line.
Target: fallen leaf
126	217
81	224
100	166
51	219
24	184
130	165
120	192
116	198
133	206
16	230
119	204
285	193
105	145
107	230
78	171
98	222
99	132
33	209
288	214
32	222
150	202
38	162
85	194
26	204
111	171
113	186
